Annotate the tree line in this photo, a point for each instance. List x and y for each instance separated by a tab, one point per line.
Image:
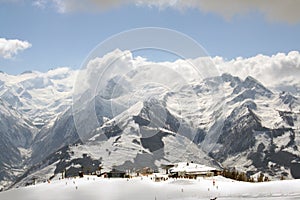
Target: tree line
242	176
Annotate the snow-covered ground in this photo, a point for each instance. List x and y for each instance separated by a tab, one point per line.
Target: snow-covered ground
91	187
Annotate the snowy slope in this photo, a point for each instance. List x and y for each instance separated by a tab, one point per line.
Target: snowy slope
16	135
132	140
253	131
92	187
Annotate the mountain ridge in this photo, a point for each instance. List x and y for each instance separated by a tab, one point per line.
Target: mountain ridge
247	126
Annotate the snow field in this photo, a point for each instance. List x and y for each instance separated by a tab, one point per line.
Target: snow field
138	188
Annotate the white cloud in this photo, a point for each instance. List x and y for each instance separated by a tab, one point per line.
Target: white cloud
270	70
280	70
65	6
40	3
136	75
273	10
10	48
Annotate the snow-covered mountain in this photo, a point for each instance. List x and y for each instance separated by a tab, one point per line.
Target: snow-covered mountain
16	135
261	132
29	101
256	130
38	96
129	123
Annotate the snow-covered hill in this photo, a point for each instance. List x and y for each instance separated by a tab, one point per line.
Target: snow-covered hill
92	187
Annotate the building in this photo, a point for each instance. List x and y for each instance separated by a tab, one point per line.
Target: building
167	167
192	170
144	171
115	173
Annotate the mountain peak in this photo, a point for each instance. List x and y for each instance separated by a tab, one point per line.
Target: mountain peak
27	72
287	97
234	80
251	81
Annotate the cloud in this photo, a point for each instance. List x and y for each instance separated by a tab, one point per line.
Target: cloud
272	71
273	10
10	48
276	71
66	6
40	3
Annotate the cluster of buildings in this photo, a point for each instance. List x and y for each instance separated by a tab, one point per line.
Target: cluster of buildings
179	170
188	170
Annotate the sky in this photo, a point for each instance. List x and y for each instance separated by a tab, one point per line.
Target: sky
44	34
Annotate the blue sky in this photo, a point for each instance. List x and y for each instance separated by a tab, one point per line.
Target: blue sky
64	38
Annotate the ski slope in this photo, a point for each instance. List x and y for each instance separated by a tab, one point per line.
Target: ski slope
143	188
